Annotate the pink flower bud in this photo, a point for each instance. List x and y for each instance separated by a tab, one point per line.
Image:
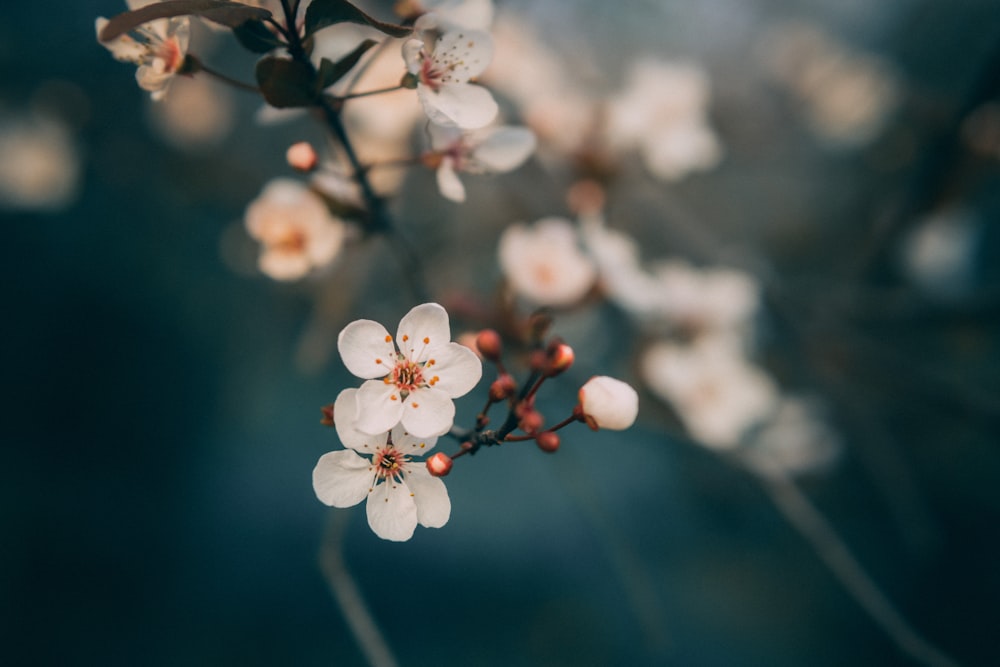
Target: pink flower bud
547	441
560	357
439	465
608	403
490	345
503	387
531	421
302	156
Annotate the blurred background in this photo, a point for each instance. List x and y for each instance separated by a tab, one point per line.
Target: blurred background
163	396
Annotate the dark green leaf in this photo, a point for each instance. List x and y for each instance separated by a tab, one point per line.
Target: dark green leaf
322	13
229	14
331	72
254	36
287	83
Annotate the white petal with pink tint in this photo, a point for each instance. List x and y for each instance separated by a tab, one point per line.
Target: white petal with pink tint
428	412
342	478
380	407
366	349
423	328
392	511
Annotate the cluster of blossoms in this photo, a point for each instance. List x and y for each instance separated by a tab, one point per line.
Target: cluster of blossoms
407	402
701	367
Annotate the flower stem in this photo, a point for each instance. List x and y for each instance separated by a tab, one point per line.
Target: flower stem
368	93
194	65
806	519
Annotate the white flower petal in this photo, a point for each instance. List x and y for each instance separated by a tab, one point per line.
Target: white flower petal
409	444
412	49
448	182
611	403
423	328
379	407
366	349
443	137
457	369
345	416
342	478
462	54
463	105
431	496
392	512
428	412
505	149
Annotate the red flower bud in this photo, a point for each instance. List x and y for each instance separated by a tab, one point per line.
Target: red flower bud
531	421
548	441
327	411
302	157
490	345
439	465
560	357
503	387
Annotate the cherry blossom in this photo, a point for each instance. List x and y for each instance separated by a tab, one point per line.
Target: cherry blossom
662	113
401	492
475	14
494	150
545	264
716	392
158	48
413	381
608	403
443	63
296	229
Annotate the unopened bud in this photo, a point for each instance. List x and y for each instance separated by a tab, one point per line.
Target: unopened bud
302	156
548	441
490	345
531	421
439	465
560	357
608	403
503	387
327	411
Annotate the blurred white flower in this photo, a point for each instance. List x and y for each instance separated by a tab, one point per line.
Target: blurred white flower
698	300
493	150
716	393
846	95
196	116
544	263
662	113
418	376
39	164
400	491
158	48
474	14
794	440
295	228
938	255
608	403
526	70
443	65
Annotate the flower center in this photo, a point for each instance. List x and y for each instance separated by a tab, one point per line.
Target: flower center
390	462
430	76
408	375
170	52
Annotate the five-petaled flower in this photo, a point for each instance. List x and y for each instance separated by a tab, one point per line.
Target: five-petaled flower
413	381
443	63
401	492
158	47
495	150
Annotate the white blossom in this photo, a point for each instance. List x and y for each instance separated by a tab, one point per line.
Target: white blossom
544	263
296	230
412	381
715	391
493	150
609	403
400	491
443	64
158	48
662	113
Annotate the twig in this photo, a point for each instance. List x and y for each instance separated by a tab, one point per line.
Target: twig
807	520
348	597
